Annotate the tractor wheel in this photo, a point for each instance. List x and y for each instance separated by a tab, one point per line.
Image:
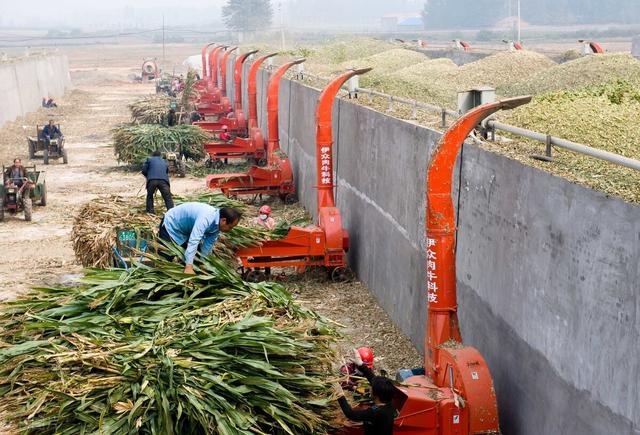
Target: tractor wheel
45	156
290	198
341	274
182	168
28	209
65	157
255	276
1	210
218	164
208	163
32	150
43	197
262	162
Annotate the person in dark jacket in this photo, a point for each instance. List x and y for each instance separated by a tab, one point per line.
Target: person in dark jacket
156	170
377	419
51	131
171	118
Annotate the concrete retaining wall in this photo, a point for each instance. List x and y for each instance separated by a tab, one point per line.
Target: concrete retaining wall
547	270
24	82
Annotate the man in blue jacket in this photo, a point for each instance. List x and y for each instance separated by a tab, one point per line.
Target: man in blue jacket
156	170
51	131
196	224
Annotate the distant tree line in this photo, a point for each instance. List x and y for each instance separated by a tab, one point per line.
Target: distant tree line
481	13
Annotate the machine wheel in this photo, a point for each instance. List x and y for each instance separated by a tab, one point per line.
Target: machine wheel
290	198
341	274
182	168
218	164
261	162
65	157
45	156
255	276
43	198
32	150
28	209
208	163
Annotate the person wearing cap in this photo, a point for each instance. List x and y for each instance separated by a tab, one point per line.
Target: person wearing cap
378	418
264	218
351	369
224	134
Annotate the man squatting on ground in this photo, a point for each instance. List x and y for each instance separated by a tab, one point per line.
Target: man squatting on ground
195	224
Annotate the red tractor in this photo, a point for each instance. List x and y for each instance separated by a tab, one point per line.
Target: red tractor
325	244
250	147
453	393
276	178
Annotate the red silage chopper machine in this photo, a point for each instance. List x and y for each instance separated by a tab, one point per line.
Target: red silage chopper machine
454	392
201	84
251	147
238	124
213	101
276	178
321	245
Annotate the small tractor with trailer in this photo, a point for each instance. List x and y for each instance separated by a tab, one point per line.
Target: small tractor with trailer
18	195
172	153
51	149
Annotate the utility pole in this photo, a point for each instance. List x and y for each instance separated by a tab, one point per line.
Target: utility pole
519	21
281	25
163	51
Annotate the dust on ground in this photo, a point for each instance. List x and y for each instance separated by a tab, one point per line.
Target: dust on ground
40	252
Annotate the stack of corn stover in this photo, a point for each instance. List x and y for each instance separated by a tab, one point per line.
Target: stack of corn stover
95	226
150	110
134	143
153	350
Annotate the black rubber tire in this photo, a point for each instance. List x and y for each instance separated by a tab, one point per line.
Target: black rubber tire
43	198
290	198
255	276
218	164
65	157
341	274
28	209
262	162
182	168
45	156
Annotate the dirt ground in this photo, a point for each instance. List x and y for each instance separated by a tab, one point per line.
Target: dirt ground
40	252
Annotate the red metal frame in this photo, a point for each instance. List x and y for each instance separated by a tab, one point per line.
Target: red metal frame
251	147
596	48
202	83
326	243
431	403
238	124
277	177
211	101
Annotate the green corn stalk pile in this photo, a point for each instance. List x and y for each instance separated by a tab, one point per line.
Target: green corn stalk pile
188	93
150	110
95	226
134	143
154	351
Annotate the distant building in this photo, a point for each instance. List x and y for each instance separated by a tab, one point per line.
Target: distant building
411	23
400	22
635	47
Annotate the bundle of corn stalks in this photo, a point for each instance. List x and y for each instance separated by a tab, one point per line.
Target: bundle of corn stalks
134	143
152	350
150	110
95	227
188	93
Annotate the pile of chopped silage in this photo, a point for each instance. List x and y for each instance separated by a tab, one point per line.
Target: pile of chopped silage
152	350
585	71
605	116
